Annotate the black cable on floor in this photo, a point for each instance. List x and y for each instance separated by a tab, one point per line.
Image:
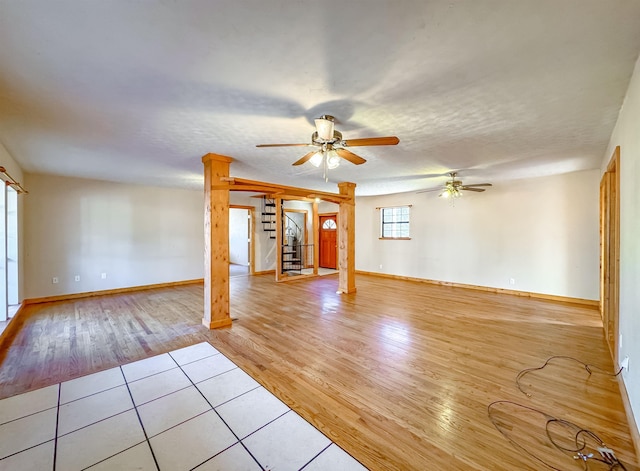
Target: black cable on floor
579	439
589	368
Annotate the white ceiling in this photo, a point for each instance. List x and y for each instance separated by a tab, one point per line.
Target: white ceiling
139	91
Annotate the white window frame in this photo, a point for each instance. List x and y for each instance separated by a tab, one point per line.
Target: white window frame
395	222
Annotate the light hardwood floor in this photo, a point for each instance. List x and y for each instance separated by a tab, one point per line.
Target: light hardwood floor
399	374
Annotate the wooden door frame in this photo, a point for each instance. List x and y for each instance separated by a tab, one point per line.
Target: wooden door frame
306	214
306	230
335	215
610	243
252	250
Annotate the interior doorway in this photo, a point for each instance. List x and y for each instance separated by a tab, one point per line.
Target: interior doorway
328	241
240	240
610	252
8	252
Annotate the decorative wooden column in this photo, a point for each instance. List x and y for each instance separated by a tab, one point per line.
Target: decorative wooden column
347	238
216	241
316	237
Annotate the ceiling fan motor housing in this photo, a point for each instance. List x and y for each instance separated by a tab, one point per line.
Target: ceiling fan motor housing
337	137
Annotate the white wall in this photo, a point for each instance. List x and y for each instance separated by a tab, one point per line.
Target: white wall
541	232
627	135
137	235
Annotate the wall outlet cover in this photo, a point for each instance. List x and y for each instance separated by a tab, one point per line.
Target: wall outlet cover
625	363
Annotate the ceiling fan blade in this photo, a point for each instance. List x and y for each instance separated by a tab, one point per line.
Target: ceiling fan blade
430	189
305	158
350	156
284	145
468	188
372	141
479	184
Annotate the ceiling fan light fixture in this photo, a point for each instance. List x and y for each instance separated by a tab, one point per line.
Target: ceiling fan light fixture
333	160
316	159
325	127
450	192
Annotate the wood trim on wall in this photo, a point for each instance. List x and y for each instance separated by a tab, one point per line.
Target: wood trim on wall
88	294
17	321
633	426
527	294
13	327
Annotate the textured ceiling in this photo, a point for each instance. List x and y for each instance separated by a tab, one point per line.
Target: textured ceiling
139	91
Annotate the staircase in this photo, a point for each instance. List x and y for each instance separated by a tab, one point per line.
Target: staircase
294	255
269	217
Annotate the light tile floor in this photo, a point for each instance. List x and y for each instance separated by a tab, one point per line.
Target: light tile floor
192	408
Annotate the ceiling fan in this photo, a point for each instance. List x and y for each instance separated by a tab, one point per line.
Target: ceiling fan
454	188
330	147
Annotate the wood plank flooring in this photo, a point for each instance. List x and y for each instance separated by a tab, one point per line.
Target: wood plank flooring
399	374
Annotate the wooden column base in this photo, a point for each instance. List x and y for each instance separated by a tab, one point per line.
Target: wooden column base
217	324
350	291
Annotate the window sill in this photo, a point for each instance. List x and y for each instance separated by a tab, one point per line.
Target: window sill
394	238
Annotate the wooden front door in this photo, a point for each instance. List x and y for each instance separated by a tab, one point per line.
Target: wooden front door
328	241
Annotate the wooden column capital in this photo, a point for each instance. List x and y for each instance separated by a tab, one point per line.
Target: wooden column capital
218	157
345	185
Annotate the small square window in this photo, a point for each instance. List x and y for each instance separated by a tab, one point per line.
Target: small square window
394	222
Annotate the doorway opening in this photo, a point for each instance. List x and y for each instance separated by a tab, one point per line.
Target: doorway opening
240	240
8	253
610	252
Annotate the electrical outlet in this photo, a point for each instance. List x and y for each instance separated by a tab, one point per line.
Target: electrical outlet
512	281
54	280
625	363
77	278
103	276
380	266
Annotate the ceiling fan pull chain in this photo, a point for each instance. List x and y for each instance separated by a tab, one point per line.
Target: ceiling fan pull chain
324	161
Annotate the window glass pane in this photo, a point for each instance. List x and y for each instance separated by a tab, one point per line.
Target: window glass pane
329	224
395	222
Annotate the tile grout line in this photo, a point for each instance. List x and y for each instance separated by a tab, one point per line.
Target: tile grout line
28	415
163	371
140	420
219	416
92	394
26	449
97	422
163	396
319	453
55	437
115	454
